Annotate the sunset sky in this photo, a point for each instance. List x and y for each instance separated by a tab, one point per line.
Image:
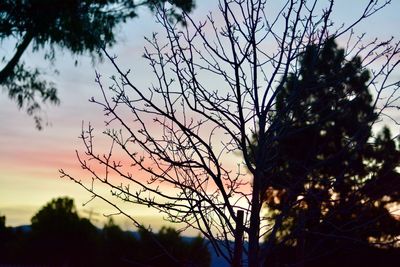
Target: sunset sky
30	159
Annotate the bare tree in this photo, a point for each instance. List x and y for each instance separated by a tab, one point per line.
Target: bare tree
197	140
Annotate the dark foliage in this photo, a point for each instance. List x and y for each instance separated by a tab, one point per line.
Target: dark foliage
59	237
349	256
332	180
77	26
172	250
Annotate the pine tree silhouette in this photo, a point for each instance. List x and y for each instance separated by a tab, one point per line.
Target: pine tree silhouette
335	180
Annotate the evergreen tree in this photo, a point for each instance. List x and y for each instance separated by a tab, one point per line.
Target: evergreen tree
332	180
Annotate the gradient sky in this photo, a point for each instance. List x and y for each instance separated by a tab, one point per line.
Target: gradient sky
30	159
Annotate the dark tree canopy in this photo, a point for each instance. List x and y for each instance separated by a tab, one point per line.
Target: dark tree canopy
332	178
55	213
172	250
78	26
59	235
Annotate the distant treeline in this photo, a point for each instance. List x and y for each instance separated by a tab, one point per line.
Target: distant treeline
59	237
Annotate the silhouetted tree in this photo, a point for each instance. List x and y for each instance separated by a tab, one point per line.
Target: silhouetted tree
13	243
4	238
59	236
334	180
78	26
216	86
166	248
118	248
174	250
2	223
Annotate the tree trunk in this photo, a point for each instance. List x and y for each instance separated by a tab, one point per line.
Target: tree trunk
238	251
254	231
